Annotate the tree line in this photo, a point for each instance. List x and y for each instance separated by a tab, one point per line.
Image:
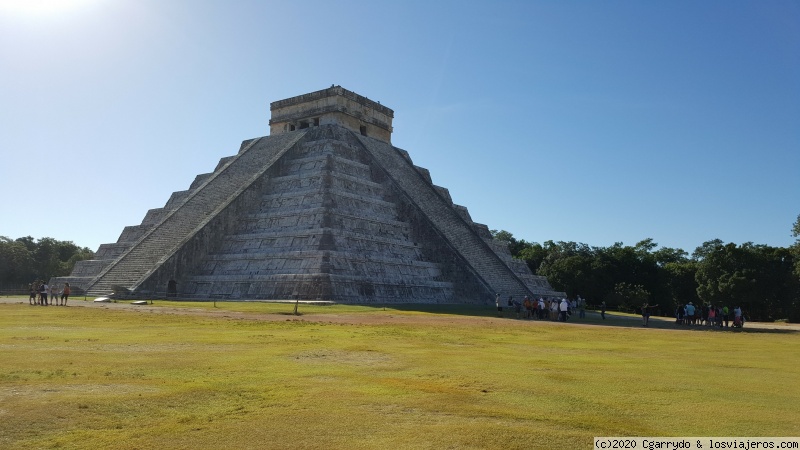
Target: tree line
763	280
25	260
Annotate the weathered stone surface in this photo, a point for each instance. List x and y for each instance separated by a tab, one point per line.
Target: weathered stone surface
321	212
332	106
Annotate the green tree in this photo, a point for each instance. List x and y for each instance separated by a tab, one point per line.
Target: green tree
666	255
568	267
680	283
515	246
28	242
758	278
533	255
16	263
796	228
796	247
631	296
24	260
707	248
763	280
46	256
502	235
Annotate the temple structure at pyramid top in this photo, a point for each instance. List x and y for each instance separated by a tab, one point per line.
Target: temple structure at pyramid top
324	208
332	106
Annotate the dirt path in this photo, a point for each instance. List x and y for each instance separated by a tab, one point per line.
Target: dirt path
378	317
366	318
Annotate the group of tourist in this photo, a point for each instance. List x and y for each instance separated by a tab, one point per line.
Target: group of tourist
708	315
556	309
543	308
40	291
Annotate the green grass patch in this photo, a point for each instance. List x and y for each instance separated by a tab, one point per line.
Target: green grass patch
120	378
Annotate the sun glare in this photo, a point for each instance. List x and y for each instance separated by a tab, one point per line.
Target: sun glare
42	7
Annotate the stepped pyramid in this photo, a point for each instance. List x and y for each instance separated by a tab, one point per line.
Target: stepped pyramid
324	208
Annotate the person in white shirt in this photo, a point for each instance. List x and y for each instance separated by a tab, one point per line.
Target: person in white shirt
53	295
564	307
737	317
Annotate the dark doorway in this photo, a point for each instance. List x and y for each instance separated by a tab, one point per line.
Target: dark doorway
172	289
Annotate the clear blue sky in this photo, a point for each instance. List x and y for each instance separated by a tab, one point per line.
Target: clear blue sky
594	122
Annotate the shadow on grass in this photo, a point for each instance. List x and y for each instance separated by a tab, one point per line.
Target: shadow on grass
450	309
592	318
490	311
751	327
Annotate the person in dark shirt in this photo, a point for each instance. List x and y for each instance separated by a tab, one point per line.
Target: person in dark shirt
646	313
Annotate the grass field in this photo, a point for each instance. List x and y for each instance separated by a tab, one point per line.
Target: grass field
250	375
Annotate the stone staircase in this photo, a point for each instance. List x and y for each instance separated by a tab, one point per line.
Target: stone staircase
325	229
439	210
85	272
177	226
319	213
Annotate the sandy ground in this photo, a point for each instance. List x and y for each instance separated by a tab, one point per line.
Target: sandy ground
379	316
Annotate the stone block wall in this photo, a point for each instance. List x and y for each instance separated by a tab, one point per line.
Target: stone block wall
327	214
333	106
321	213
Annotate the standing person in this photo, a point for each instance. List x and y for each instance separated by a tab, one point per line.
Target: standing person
527	304
603	310
65	294
541	308
646	313
554	309
43	292
690	312
564	307
737	317
32	296
725	313
712	316
53	295
37	299
581	308
499	306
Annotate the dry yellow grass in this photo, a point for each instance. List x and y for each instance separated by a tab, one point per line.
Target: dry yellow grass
249	376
